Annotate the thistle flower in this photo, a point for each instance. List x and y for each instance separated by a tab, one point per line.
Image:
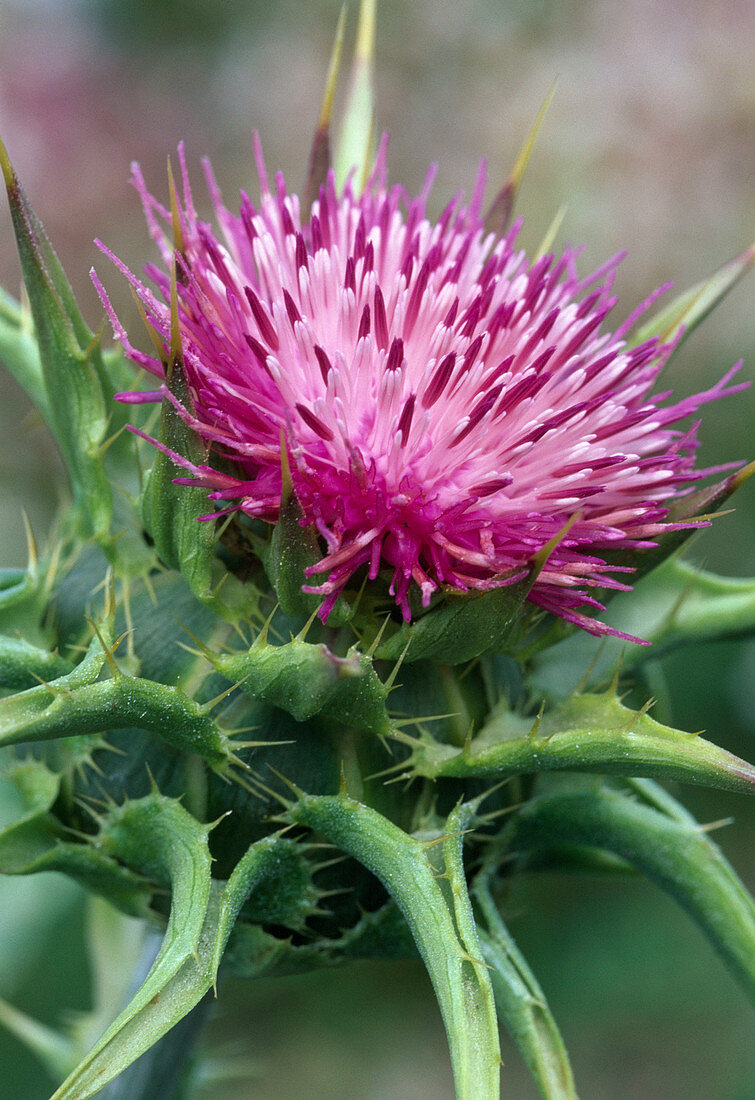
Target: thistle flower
448	404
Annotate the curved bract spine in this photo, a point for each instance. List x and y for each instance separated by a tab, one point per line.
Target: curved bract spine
592	733
670	848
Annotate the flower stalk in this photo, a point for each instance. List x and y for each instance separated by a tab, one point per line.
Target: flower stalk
440	921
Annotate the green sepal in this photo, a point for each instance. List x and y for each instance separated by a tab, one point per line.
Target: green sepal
306	680
291	550
440	923
85	672
74	378
520	1002
24	594
682	316
697	509
591	733
59	709
23	665
460	627
29	705
159	838
38	842
19	352
666	844
171	512
81	703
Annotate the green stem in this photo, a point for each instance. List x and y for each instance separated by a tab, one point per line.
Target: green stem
672	851
440	923
162	1071
521	1002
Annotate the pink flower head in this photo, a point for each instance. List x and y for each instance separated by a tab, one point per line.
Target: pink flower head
447	404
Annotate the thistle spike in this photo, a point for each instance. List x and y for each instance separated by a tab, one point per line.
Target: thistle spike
320	154
214	824
354	147
301	636
712	826
533	731
105	446
205	708
178	233
203	650
176	349
255	744
108	651
32	557
9	174
587	675
249	785
316	867
551	233
291	786
613	687
499	214
394	671
540	559
399	723
503	812
376	640
261	639
676	321
385	771
157	340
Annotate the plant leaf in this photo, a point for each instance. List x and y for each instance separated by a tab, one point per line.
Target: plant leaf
38	842
71	364
55	710
23	665
689	309
19	352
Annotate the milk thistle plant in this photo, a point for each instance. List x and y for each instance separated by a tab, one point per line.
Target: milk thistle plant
293	680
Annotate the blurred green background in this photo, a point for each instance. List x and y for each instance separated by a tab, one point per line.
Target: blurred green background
649	145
